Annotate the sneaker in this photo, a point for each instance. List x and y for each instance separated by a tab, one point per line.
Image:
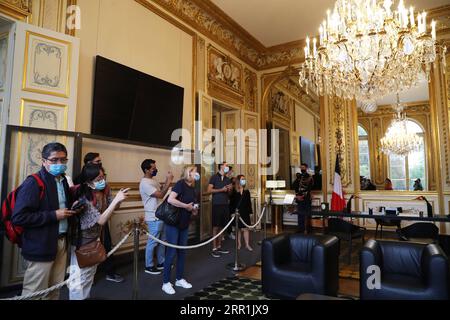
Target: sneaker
183	283
160	266
115	278
215	253
152	270
223	251
168	288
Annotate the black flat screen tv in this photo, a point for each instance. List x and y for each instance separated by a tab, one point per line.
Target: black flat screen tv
131	105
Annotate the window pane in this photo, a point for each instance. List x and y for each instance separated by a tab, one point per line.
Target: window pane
364	159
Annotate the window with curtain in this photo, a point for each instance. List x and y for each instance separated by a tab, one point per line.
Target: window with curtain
364	159
404	171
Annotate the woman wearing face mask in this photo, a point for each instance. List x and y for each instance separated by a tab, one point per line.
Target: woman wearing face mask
96	213
241	199
184	197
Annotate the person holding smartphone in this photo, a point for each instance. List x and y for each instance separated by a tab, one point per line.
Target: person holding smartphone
95	214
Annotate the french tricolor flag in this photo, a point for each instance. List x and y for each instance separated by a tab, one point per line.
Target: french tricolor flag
337	199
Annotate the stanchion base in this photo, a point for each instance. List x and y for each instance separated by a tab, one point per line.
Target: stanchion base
239	267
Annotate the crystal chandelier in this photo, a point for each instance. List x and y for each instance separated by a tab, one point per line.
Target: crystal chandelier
397	140
367	51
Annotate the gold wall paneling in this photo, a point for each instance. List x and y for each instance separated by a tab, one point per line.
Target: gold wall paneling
251	90
340	137
17	9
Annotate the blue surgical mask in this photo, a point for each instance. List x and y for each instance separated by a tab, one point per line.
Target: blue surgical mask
154	173
226	169
57	169
100	185
197	176
243	182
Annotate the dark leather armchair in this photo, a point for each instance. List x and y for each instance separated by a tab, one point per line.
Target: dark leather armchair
296	264
347	231
409	271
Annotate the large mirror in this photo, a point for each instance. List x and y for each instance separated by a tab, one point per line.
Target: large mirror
382	166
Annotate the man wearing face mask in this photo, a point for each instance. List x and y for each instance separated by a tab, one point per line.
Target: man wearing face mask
303	197
220	187
45	222
151	193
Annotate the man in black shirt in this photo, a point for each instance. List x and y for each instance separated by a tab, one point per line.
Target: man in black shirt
220	187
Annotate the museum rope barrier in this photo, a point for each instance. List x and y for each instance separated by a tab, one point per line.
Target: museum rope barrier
195	246
66	282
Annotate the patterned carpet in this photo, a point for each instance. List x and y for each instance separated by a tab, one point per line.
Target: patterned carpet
232	288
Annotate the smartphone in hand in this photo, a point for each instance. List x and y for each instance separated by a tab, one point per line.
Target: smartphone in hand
78	205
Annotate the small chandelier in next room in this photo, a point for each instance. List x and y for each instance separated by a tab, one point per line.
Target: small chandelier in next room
398	140
367	50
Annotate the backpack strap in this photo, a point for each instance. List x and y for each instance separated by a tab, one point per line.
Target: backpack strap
40	183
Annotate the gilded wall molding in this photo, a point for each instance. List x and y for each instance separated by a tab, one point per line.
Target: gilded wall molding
210	20
225	77
340	138
17	9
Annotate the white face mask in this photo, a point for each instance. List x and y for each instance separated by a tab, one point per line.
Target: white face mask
226	169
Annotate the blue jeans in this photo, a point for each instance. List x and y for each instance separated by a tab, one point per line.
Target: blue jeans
156	229
178	237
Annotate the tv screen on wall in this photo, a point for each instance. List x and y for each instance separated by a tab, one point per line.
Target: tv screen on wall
131	105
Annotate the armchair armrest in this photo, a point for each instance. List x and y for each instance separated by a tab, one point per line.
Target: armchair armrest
435	268
325	265
370	255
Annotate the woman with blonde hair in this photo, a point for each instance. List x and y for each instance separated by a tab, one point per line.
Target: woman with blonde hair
182	196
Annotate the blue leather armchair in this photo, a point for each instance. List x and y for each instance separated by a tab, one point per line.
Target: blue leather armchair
409	271
296	264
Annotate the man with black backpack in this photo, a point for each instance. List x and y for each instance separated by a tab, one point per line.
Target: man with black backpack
44	218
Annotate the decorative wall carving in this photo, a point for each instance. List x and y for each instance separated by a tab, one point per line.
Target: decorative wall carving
339	138
17	9
47	65
251	90
280	103
225	77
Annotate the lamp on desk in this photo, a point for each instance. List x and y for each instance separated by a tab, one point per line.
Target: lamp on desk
274	184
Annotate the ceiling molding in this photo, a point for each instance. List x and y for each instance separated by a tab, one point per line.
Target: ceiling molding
211	21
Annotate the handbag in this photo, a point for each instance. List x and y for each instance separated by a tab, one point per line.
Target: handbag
91	254
168	213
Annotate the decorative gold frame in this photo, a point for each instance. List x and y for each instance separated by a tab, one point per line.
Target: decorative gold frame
26	63
19	135
16	12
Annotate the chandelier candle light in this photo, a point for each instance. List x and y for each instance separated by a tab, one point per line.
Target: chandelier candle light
367	51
